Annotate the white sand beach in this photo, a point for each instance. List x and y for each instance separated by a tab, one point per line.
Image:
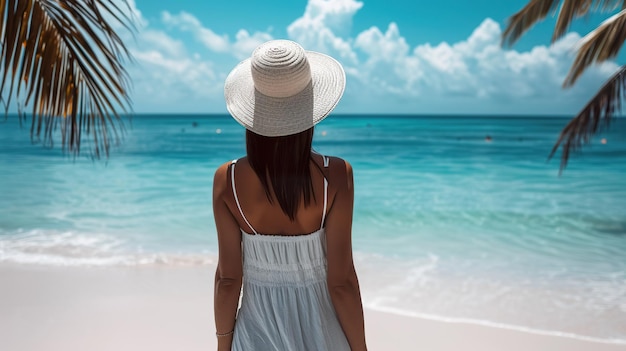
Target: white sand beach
170	308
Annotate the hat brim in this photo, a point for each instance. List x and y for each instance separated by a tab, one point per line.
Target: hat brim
271	116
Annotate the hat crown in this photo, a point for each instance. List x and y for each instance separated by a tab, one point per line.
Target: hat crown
280	69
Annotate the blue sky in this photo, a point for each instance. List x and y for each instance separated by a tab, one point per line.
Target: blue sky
436	57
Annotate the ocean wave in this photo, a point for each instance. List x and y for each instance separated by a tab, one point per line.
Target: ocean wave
431	286
69	248
439	288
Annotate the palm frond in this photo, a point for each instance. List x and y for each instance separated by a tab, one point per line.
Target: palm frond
537	10
572	9
596	114
601	44
569	10
519	23
64	58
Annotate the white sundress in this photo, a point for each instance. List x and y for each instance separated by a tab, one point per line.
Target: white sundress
285	304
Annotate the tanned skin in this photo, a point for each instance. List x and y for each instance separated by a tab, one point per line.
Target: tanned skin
268	218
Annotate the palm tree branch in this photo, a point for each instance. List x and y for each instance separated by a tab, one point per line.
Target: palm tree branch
68	60
569	10
572	9
78	45
600	45
523	20
537	10
596	114
11	30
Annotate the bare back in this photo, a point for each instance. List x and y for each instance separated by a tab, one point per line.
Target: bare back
267	217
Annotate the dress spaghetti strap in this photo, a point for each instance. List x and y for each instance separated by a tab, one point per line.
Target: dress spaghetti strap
326	161
232	178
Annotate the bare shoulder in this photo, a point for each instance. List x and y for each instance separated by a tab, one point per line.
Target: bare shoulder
340	172
220	180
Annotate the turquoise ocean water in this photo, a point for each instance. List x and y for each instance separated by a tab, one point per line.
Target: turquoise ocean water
447	225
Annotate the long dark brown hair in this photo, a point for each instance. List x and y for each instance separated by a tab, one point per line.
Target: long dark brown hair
283	165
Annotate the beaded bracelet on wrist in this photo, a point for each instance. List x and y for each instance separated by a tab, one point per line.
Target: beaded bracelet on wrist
225	334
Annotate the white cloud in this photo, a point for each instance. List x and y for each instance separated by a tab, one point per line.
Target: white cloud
336	15
241	48
477	67
172	79
385	72
321	25
169	75
382	46
245	43
188	22
160	41
387	53
166	76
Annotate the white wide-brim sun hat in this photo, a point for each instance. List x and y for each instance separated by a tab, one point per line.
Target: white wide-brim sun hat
283	89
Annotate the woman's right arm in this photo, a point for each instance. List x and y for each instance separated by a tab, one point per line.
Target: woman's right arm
228	276
343	285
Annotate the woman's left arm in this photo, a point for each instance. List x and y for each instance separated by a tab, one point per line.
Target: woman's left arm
228	276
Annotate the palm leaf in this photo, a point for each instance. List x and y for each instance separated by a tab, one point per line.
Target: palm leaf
519	23
596	114
537	10
64	58
572	9
600	45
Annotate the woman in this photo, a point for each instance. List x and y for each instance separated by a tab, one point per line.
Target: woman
284	214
